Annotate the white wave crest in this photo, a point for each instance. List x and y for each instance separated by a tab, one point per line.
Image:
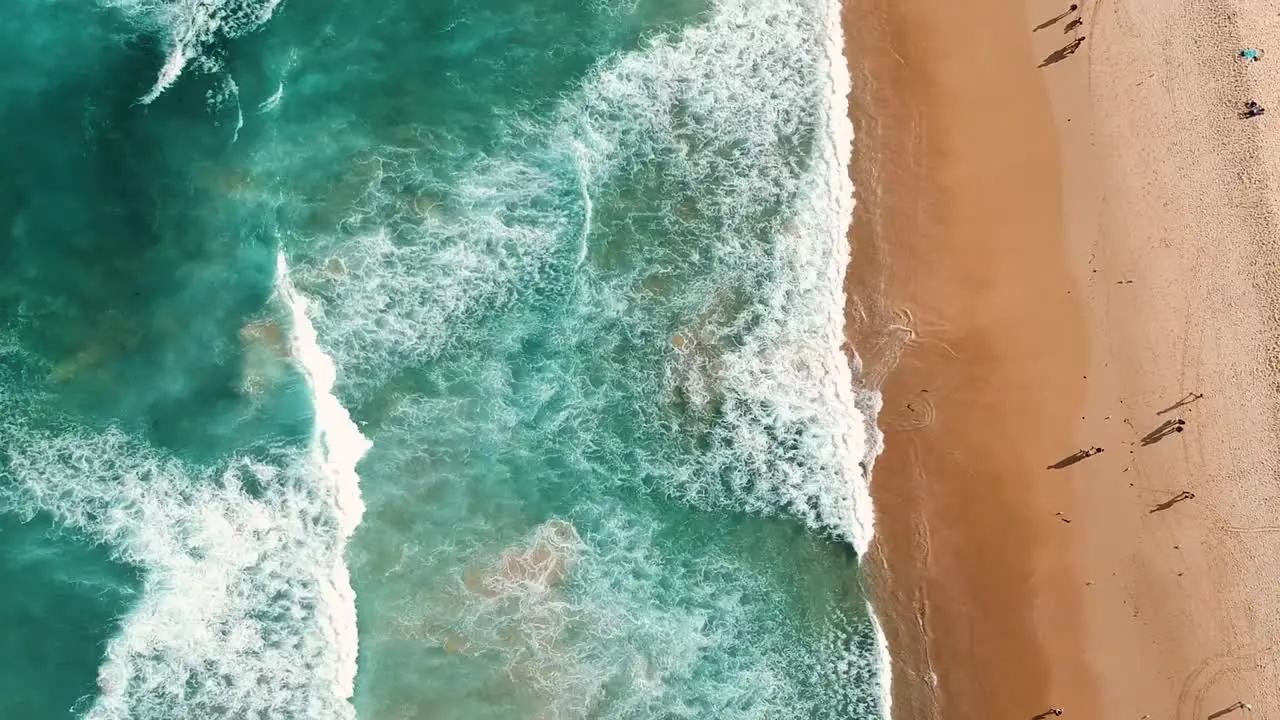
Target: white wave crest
189	27
338	445
246	606
725	108
739	126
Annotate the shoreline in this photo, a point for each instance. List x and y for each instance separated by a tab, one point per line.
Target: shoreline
1039	266
962	207
885	125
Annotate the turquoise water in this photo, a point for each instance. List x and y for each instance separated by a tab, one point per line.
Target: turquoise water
429	360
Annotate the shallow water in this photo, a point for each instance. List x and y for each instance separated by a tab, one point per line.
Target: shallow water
564	279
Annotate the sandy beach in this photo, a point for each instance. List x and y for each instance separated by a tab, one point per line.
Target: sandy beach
1048	259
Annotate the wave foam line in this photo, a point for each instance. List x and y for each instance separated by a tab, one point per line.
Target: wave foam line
337	448
841	126
839	206
247	606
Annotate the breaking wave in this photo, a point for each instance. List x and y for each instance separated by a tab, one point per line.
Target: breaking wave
190	30
246	606
694	138
600	351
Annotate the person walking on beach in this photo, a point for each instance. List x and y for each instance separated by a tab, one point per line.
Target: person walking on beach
1185	400
1063	52
1251	54
1074	7
1252	109
1074	458
1165	429
1180	497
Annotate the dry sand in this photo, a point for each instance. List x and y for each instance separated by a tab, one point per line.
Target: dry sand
1060	254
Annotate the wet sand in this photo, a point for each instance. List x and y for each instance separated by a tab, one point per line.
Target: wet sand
1046	259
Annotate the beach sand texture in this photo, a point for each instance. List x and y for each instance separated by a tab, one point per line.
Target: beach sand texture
1062	254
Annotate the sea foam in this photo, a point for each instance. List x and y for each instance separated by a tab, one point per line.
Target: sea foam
189	28
719	113
730	139
246	606
723	108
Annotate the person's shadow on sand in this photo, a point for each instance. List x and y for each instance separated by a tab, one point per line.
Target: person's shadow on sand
1063	52
1180	497
1056	18
1183	401
1074	458
1164	430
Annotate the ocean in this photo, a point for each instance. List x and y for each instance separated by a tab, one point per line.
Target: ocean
412	360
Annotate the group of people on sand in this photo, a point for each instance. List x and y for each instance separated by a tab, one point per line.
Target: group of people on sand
1074	24
1252	108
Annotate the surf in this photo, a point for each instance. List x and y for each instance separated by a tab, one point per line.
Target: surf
573	307
245	601
190	32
